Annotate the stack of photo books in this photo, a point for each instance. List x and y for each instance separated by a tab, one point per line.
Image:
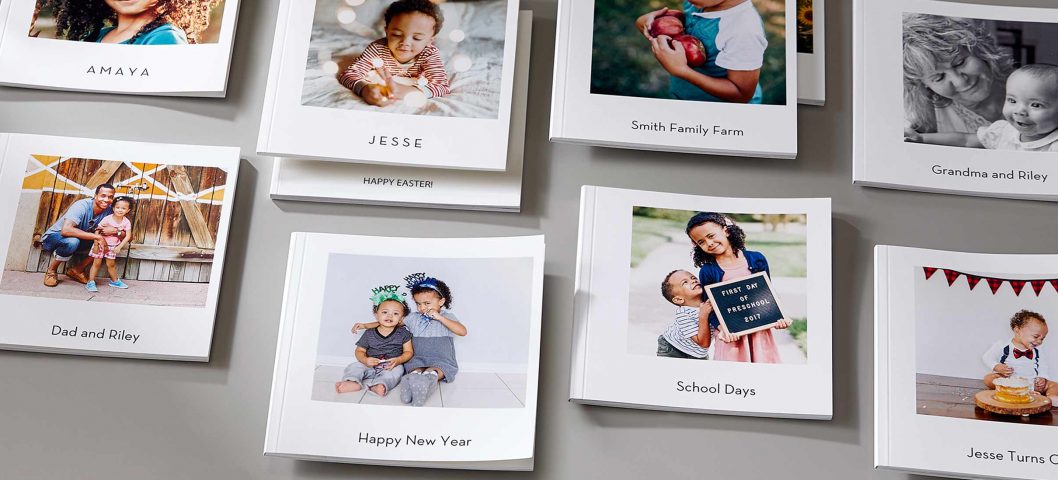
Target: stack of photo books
719	78
112	248
409	352
398	103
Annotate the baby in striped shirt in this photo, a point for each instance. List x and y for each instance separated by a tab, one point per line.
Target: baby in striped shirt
405	60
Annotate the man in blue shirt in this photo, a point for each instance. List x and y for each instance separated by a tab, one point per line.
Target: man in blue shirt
76	232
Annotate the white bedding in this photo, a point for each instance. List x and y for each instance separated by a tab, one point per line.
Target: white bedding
475	92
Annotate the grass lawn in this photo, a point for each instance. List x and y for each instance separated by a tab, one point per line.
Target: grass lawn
799	331
787	253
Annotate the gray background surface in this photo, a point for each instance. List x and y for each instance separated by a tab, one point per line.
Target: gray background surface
78	417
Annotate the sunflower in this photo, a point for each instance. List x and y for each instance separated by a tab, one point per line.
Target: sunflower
804	15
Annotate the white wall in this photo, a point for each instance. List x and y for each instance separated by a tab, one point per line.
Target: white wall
956	326
490	297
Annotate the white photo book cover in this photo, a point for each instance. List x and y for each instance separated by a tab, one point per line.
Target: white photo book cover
714	305
112	248
419	352
396	82
956	98
965	374
811	53
344	182
147	47
700	76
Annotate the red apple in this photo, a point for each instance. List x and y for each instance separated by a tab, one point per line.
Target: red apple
673	13
666	25
696	53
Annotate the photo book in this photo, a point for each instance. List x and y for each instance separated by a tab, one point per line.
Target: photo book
392	82
811	53
415	352
714	305
956	98
343	182
112	248
965	376
678	76
141	47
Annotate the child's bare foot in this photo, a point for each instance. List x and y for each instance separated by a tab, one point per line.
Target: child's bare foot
379	389
347	386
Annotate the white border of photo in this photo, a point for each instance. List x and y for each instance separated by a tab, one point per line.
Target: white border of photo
298	427
601	319
167	332
290	129
934	445
55	64
579	116
881	157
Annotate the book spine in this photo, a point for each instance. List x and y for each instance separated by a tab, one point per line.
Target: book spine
881	356
287	318
275	69
582	293
562	46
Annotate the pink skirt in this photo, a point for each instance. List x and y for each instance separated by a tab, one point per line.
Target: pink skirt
757	347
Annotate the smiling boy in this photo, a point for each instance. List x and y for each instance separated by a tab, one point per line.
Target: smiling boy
405	60
687	336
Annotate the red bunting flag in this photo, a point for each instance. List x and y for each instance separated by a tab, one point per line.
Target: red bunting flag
995	283
951	275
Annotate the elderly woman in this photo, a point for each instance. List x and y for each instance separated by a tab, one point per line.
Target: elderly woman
954	74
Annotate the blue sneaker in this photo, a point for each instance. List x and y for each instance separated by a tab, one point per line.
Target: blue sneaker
118	284
91	287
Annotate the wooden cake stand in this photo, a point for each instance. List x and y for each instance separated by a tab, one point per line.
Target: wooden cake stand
986	400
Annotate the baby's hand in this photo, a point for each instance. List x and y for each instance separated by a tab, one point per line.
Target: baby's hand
376	95
1003	369
1041	384
357	327
390	365
433	314
783	324
372	362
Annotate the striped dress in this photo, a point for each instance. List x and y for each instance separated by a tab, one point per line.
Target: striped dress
427	70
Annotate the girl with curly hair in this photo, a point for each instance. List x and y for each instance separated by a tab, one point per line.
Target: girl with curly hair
955	74
129	22
719	250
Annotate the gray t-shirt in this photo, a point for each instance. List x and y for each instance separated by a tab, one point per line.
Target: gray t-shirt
378	346
81	214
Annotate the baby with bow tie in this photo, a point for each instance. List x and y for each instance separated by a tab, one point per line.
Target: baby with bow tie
1020	355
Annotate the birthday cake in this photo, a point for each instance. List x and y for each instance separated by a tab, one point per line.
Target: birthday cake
1016	390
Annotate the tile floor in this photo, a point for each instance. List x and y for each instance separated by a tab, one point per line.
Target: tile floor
470	390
